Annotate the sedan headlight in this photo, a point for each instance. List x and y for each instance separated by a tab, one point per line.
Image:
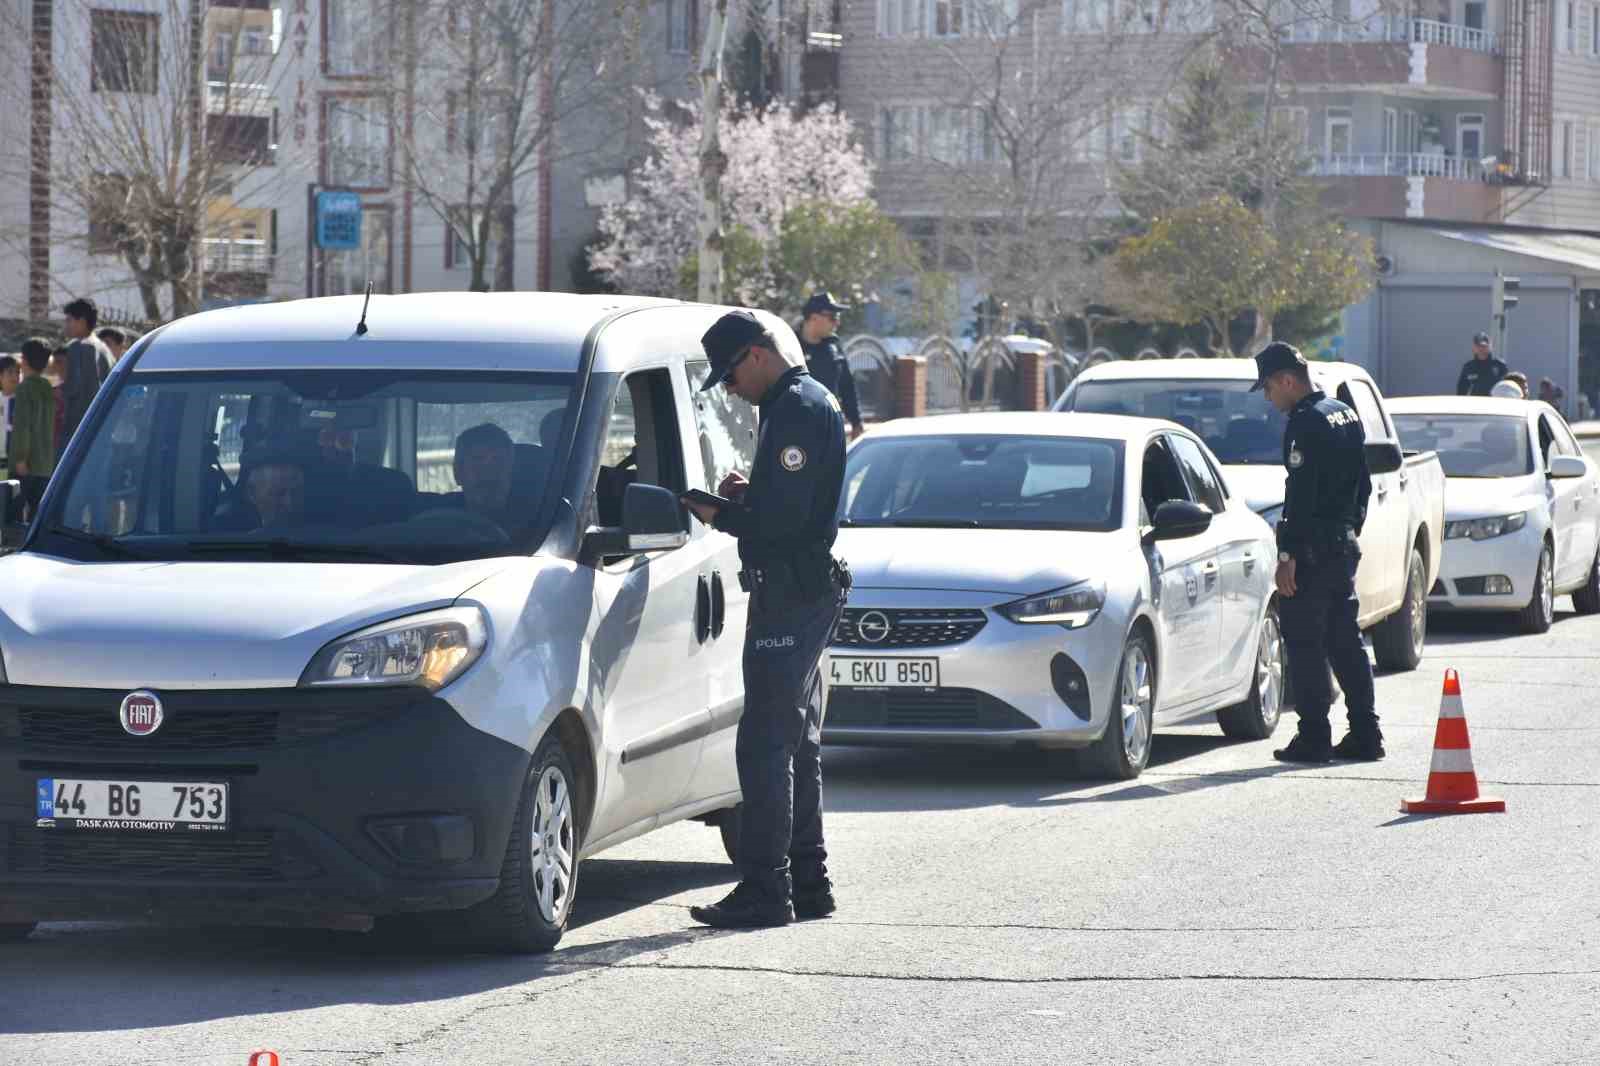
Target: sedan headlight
1485	528
1072	607
429	650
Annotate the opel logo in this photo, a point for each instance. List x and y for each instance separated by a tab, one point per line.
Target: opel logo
141	713
873	627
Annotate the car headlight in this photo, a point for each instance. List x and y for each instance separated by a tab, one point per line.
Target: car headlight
429	650
1073	607
1272	515
1485	528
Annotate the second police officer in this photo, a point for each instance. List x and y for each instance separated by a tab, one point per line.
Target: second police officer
1324	508
825	358
785	519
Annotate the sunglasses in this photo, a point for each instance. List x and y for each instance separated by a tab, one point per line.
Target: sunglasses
733	367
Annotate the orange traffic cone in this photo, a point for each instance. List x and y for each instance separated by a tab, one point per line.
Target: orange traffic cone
1452	783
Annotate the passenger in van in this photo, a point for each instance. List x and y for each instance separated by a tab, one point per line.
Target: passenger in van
344	492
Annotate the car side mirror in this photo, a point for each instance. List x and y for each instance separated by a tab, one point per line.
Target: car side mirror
652	520
1565	466
1384	457
1177	519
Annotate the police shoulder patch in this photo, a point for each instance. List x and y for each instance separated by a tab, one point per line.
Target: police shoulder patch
833	401
1295	458
793	458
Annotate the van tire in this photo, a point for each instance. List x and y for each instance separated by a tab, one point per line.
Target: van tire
1397	641
514	918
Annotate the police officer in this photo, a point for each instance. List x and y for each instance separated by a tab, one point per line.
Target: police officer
1482	371
1325	506
819	326
784	517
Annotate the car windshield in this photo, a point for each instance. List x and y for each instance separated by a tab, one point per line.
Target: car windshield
1238	425
314	465
1470	445
984	481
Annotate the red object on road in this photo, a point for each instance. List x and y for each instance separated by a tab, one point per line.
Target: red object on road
1452	782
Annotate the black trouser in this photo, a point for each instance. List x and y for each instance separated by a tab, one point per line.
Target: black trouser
779	748
1319	629
32	492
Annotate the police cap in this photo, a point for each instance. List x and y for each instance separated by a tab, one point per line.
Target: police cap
1274	358
824	303
727	337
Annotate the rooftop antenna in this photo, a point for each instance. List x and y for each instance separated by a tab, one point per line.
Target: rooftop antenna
361	327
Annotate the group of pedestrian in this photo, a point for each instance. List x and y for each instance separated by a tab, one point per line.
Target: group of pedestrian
1485	374
47	390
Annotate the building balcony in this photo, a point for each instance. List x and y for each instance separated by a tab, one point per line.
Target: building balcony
237	255
1412	185
1400	31
239	98
1400	165
1418	57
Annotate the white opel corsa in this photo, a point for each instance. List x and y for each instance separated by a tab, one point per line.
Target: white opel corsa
1522	505
1067	582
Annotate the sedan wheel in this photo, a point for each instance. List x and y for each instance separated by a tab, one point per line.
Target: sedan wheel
1540	612
1257	717
1123	750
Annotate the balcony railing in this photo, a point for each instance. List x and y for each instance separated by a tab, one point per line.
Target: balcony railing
240	255
239	98
1398	30
1399	165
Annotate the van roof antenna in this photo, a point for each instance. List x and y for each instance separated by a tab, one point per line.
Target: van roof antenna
361	327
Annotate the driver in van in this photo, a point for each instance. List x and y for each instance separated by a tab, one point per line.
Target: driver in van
483	467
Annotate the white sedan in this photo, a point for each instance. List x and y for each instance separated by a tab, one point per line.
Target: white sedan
1067	582
1522	505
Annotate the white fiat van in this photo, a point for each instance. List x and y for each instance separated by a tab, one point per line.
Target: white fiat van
319	624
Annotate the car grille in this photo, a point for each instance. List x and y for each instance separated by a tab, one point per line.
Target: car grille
947	708
63	719
908	627
259	857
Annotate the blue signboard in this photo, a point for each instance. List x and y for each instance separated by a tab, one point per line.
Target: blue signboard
338	221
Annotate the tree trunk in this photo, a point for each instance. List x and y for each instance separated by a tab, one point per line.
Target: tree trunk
505	233
712	161
1262	336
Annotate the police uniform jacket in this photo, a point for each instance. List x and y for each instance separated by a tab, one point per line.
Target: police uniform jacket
789	511
1325	499
827	363
1478	377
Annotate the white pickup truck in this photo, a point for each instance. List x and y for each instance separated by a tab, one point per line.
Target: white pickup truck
1400	546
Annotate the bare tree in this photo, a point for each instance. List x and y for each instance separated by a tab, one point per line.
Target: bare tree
156	136
486	84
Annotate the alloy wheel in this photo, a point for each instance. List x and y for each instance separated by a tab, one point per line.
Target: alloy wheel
1547	586
1419	607
1138	698
553	852
1269	670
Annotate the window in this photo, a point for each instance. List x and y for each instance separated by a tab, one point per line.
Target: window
1472	14
1470	445
1139	16
1410	132
641	446
241	140
107	211
900	18
1563	148
1592	154
1567	25
1469	137
947	17
255	43
358	148
1162	481
1594	30
1339	131
1089	139
458	251
683	24
474	124
1391	130
221	55
348	272
1359	394
1295	121
1130	126
355	41
1086	16
726	428
899	126
125	51
1203	483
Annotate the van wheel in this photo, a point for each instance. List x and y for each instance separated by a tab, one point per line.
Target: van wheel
1397	640
1123	750
1257	716
539	877
11	932
728	827
1586	597
1541	610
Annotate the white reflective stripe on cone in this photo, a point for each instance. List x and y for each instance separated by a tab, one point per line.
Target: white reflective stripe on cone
1452	761
1450	707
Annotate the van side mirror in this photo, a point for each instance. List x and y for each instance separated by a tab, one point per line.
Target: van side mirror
1177	519
1384	457
652	520
1565	466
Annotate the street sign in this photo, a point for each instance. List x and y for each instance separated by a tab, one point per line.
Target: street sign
338	221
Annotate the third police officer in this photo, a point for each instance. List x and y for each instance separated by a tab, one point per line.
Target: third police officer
785	519
825	358
1325	506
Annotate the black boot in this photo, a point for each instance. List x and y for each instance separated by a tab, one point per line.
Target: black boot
1304	749
746	907
1360	747
813	898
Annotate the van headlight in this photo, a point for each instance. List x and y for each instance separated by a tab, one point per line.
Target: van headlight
1072	607
1485	528
429	650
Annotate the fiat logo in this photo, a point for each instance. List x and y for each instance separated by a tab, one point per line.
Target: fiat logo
141	713
873	627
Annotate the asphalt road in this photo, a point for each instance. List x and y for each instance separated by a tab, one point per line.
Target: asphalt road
1222	909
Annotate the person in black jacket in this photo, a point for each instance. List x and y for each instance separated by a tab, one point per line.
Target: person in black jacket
819	327
785	517
1482	371
1324	509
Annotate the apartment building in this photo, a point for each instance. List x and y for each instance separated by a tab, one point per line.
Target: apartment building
1462	135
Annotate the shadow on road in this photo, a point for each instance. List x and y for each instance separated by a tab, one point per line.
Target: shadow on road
1468	627
101	977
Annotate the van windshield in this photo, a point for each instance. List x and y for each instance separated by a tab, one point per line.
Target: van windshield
324	465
